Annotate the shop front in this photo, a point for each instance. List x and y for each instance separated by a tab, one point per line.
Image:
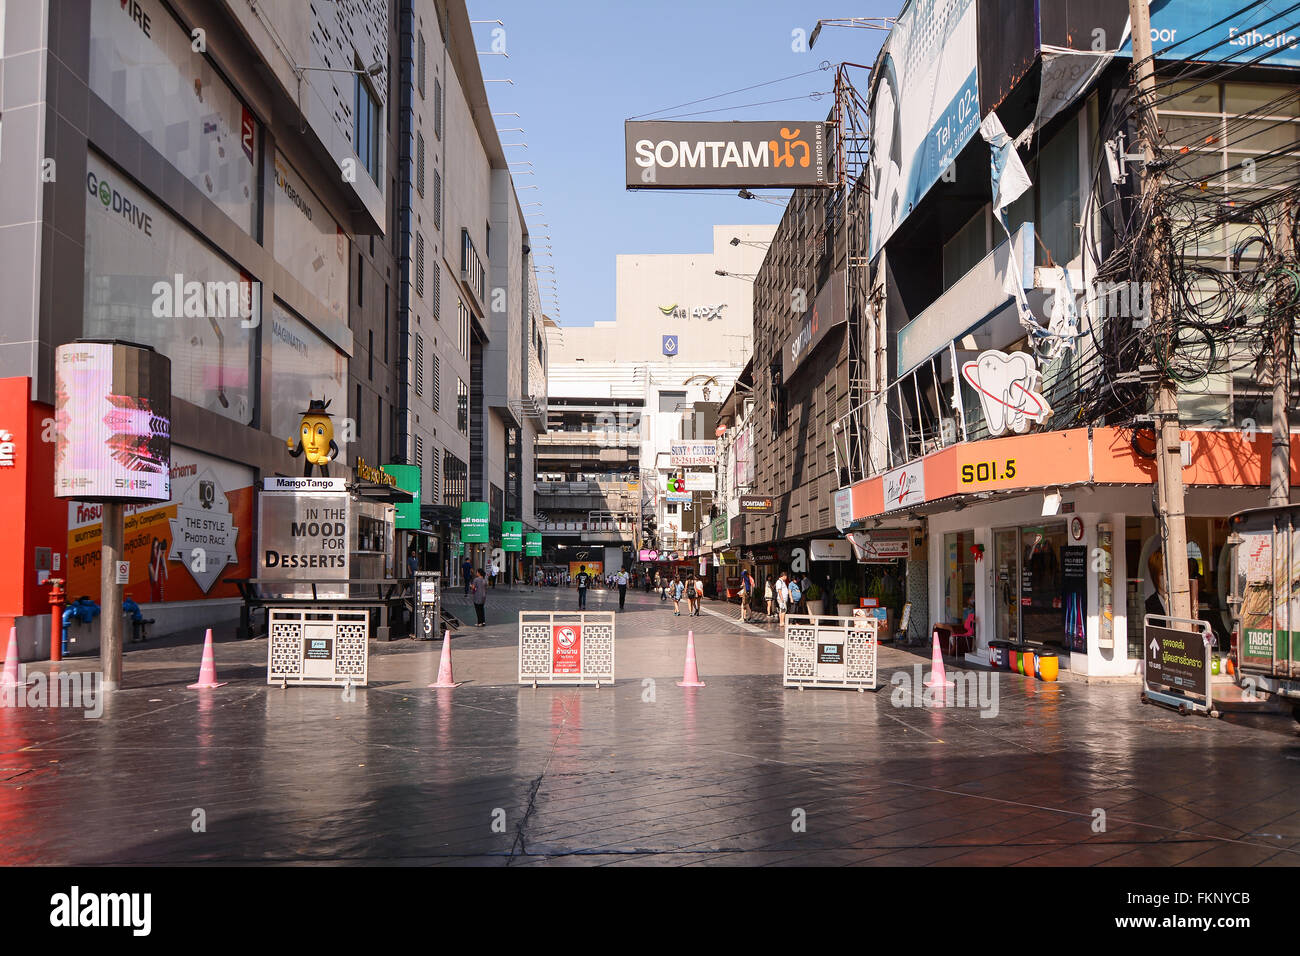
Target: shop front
1066	557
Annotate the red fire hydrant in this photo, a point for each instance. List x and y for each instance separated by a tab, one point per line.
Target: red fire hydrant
57	598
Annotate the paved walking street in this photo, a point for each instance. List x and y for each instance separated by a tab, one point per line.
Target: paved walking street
644	772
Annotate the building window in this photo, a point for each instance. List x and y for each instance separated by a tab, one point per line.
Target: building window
958	574
454	480
418	441
421	56
462	408
356	413
435	381
437	291
673	402
361	275
437	200
462	327
434	482
379	433
419	265
370	354
366	126
419	163
437	108
419	364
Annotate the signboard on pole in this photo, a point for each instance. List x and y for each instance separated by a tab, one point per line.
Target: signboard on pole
408	479
512	536
1176	661
703	155
533	545
557	647
474	522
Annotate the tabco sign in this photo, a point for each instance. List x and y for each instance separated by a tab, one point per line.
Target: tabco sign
757	505
690	155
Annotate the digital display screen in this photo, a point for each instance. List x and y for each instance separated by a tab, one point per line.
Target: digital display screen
112	414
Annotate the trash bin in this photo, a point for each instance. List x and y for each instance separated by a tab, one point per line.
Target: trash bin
1047	665
1000	654
1027	656
1013	657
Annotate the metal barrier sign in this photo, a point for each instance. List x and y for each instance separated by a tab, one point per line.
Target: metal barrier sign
824	651
317	646
561	647
1176	662
428	604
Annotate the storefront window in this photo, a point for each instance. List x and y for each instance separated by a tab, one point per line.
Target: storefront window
959	574
1207	571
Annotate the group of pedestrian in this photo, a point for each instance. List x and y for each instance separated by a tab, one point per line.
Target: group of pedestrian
784	595
684	587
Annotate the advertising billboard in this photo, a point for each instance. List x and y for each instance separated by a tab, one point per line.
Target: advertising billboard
828	312
474	522
112	414
303	536
924	107
180	550
149	279
408	477
533	545
512	536
689	453
703	155
143	65
701	481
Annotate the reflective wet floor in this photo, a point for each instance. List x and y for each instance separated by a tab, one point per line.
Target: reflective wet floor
741	772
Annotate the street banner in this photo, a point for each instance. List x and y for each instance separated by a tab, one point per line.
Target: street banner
512	536
702	155
558	647
474	522
533	545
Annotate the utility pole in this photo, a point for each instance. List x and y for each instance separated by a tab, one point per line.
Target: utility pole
1279	487
1169	446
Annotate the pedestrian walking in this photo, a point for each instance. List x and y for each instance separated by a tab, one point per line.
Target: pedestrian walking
767	594
583	579
661	582
493	567
782	596
467	572
621	579
699	595
746	593
479	591
678	590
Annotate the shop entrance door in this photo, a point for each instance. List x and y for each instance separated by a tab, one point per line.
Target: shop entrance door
1006	596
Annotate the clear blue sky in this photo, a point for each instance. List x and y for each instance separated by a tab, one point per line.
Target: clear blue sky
581	67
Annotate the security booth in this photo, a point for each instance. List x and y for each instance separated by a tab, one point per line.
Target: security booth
327	543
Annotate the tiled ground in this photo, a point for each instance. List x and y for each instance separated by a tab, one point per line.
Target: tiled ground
641	773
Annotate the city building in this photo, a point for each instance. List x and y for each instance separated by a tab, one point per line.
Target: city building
1012	430
471	314
623	413
185	142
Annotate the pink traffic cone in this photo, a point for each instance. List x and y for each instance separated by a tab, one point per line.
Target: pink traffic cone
208	669
444	665
938	678
12	677
692	676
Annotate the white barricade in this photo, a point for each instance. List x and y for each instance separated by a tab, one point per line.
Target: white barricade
315	645
825	651
566	647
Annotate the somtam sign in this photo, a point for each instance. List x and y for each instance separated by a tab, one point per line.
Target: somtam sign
828	312
776	153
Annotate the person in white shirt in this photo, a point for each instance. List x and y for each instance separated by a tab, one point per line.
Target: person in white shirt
621	580
782	596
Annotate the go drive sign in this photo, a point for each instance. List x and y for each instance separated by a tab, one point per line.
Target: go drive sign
673	155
